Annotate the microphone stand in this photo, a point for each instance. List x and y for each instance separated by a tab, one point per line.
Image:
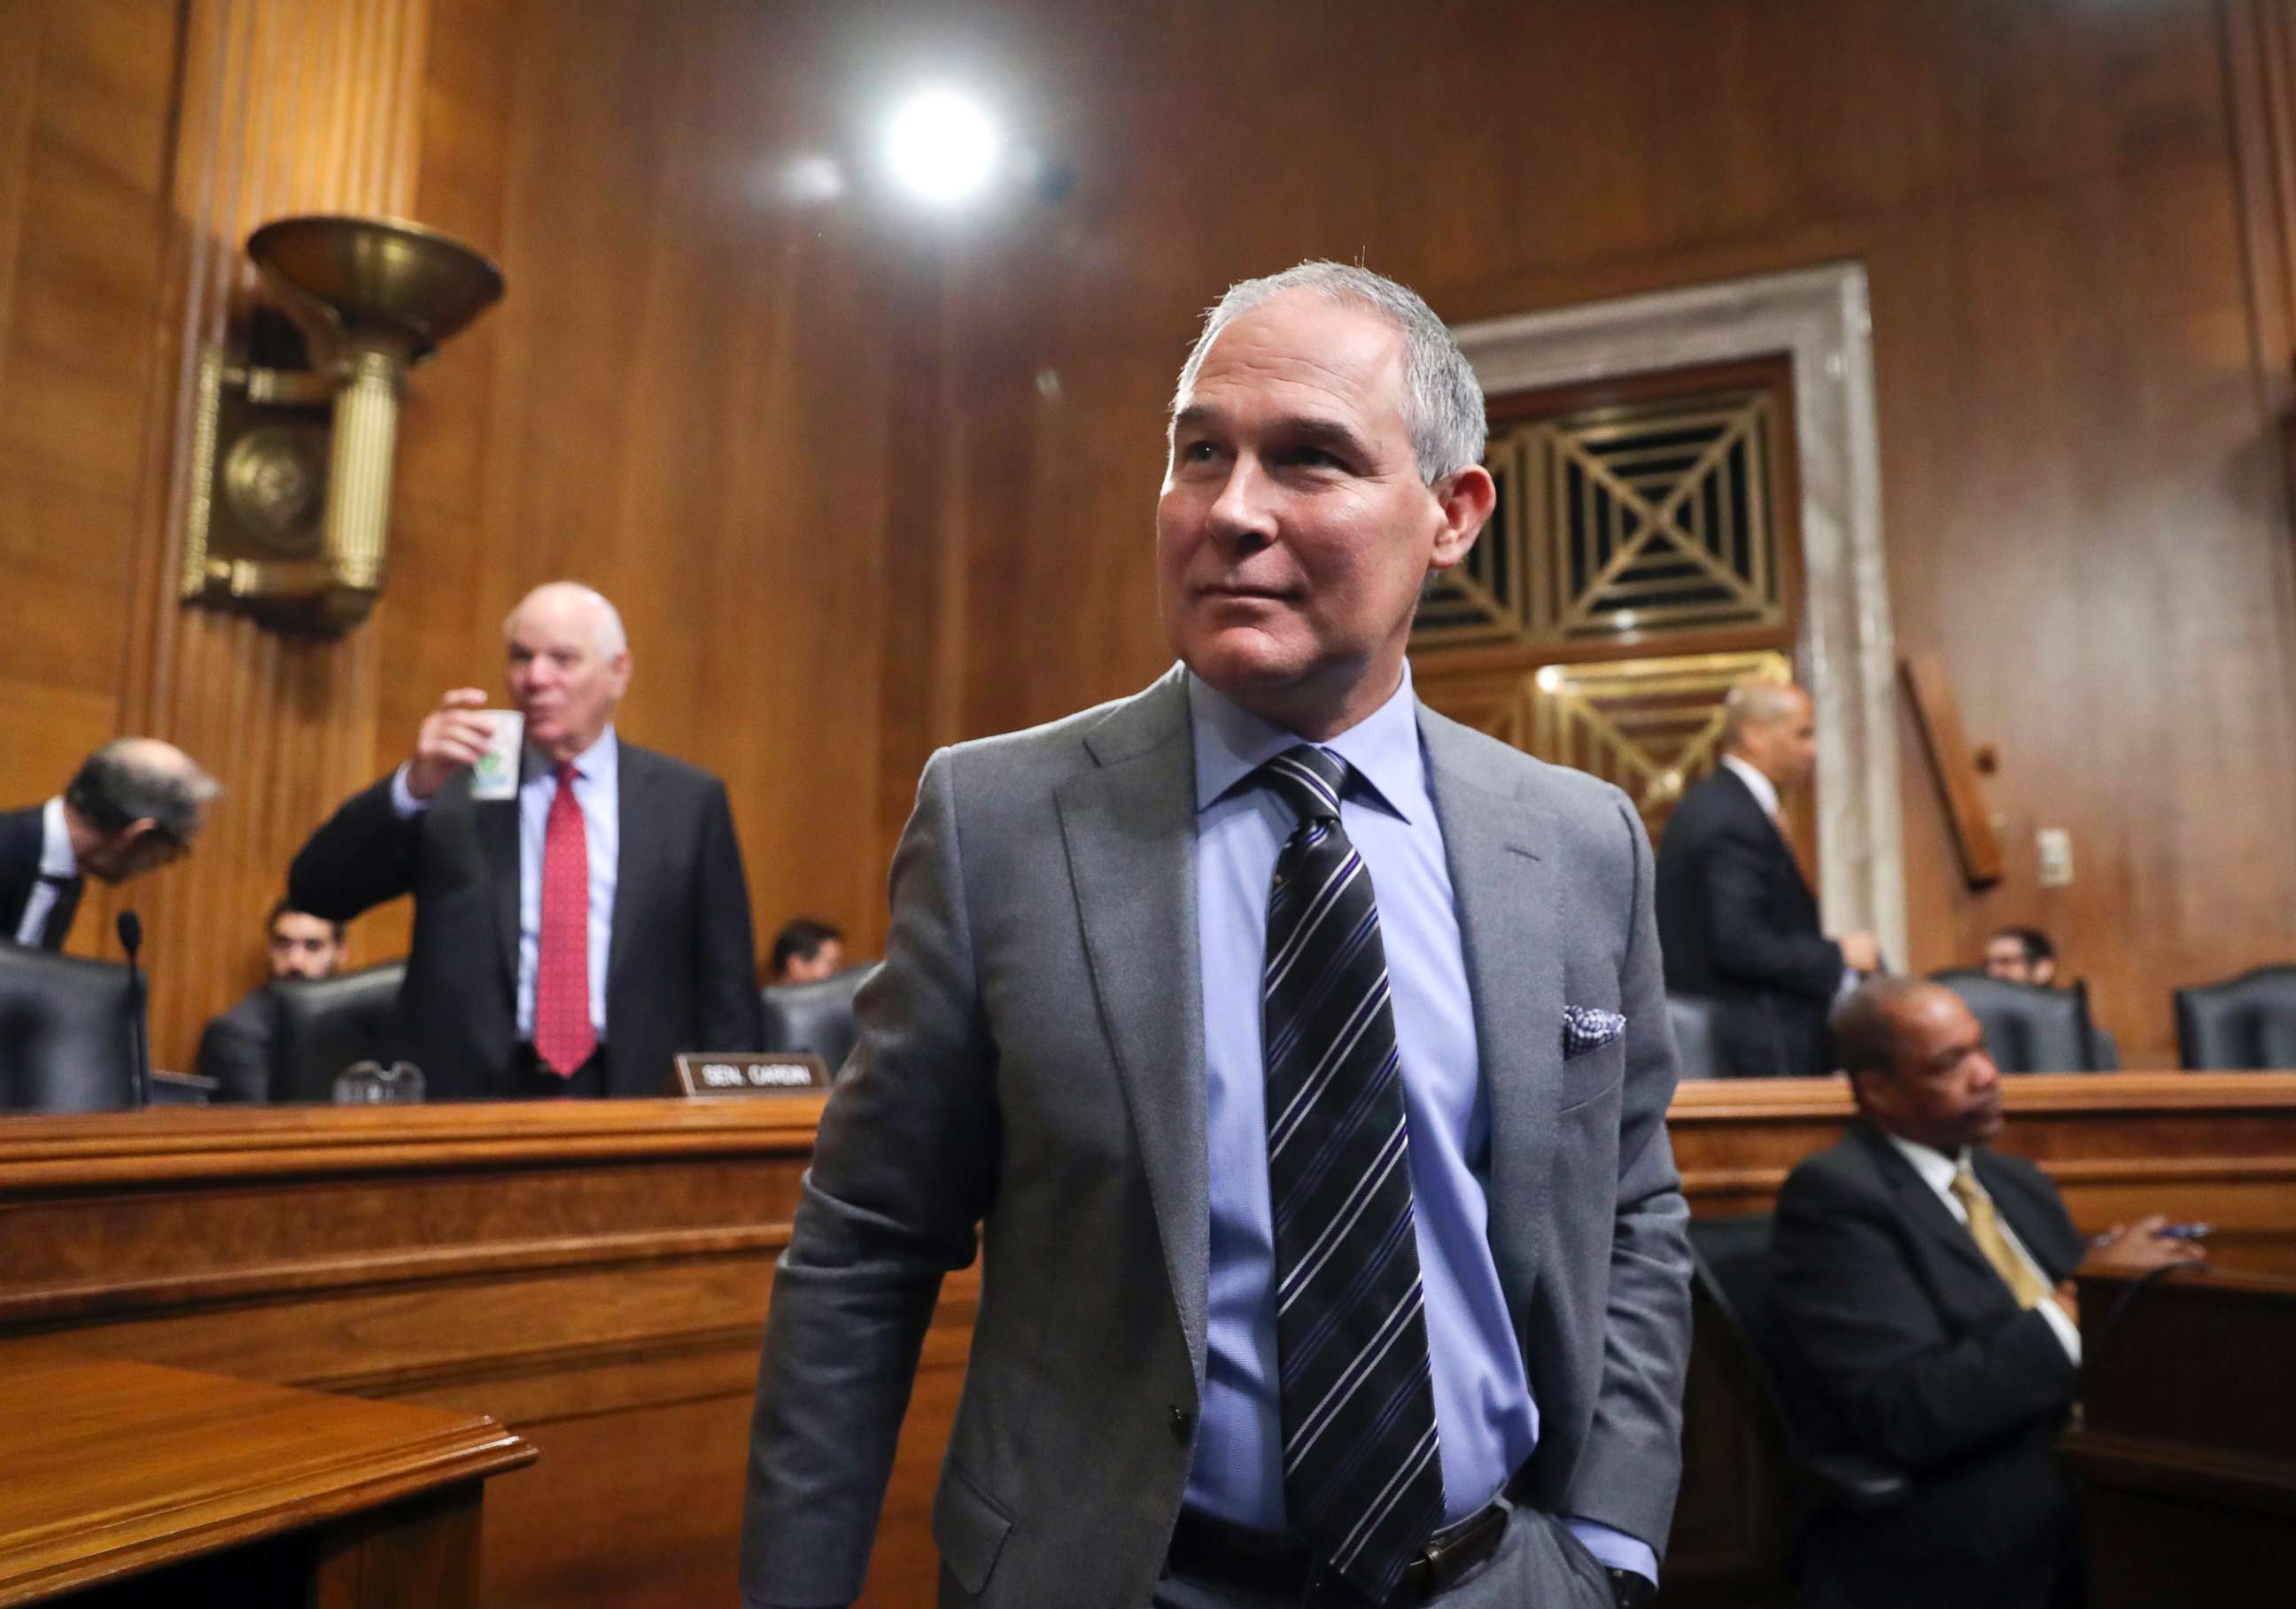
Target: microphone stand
131	939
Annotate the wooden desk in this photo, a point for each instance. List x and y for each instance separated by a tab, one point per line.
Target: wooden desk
596	1275
193	1484
2187	1446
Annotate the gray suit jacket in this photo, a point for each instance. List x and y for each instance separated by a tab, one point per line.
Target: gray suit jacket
1032	1062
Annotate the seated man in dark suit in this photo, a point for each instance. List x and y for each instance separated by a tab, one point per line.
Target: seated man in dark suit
2024	954
135	806
1923	1278
1737	920
235	1047
569	938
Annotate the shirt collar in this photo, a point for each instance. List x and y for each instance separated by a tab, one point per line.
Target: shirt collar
1232	742
56	856
600	762
1765	790
1935	1167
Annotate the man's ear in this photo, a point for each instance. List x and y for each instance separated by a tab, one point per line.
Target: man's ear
1466	500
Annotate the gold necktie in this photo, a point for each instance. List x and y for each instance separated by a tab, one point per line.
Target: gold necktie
1985	1229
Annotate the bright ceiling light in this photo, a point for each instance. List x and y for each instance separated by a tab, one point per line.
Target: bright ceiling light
942	146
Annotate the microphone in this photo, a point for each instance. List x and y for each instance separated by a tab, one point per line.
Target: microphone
131	939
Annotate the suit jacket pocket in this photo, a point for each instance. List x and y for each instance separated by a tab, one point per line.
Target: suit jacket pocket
968	1529
1591	1076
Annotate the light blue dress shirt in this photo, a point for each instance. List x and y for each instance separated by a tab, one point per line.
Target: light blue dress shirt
597	790
1486	1420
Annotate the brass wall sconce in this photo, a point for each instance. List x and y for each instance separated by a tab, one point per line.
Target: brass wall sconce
290	502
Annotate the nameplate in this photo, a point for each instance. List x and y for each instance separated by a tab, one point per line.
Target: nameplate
776	1072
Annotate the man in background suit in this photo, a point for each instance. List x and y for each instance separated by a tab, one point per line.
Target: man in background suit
134	806
1147	1022
236	1045
806	950
573	939
2024	954
1923	1279
1737	921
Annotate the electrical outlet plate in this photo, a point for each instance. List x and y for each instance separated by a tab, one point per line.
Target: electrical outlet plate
2056	847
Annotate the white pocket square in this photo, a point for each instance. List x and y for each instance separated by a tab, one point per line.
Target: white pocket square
1585	1028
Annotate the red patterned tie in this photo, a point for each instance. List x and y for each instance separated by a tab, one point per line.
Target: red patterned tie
564	1037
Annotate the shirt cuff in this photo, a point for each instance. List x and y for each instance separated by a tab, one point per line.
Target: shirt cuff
403	802
2068	1332
1616	1548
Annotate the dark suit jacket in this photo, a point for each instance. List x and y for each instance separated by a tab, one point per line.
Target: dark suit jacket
21	833
1740	927
681	964
235	1050
1923	1358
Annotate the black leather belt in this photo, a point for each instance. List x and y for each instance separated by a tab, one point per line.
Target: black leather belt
1274	1564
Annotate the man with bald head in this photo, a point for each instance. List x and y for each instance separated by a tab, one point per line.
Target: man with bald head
569	940
1923	1281
135	806
1735	917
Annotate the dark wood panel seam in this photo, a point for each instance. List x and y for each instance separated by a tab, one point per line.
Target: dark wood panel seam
440	1265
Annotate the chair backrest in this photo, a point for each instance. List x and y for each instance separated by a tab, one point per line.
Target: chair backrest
321	1026
1694	1043
67	1033
1730	1263
2030	1029
816	1016
2246	1021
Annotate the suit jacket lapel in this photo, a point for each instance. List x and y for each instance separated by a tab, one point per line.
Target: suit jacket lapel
1500	851
633	779
497	829
1923	1210
1128	827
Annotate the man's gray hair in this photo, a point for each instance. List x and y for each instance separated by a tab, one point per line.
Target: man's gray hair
1443	401
1757	703
608	638
131	778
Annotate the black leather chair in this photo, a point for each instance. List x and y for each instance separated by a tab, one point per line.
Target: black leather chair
1693	1016
67	1033
816	1016
321	1026
2243	1022
2030	1029
1730	1269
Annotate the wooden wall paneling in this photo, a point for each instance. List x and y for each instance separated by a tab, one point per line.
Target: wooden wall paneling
85	117
689	398
284	107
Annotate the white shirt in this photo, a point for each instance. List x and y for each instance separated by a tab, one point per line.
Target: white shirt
56	861
597	790
1937	1171
1765	790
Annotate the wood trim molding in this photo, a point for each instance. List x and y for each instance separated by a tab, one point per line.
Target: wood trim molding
1735	1100
421	1265
171	1146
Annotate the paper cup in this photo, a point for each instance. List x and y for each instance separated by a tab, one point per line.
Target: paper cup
494	774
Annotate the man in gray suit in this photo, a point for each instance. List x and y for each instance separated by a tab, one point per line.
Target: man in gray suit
1301	1058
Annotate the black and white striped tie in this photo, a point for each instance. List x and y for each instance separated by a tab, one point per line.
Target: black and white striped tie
1363	1477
